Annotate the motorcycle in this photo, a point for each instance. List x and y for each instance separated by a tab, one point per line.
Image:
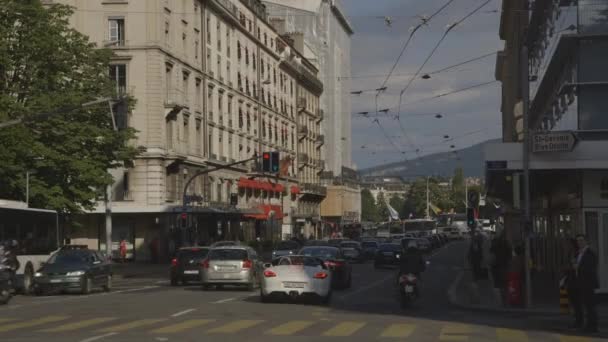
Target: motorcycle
7	276
408	288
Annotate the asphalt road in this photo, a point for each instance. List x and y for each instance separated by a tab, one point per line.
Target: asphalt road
148	309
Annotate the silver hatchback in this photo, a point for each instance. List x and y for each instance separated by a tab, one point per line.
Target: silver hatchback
231	265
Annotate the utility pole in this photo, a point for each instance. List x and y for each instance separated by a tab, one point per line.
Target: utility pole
525	94
428	213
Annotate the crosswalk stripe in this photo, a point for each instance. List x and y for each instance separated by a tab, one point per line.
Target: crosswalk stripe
344	329
32	323
79	325
235	326
179	327
510	335
455	332
130	325
290	328
566	338
398	330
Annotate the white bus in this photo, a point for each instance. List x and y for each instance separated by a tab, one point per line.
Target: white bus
37	234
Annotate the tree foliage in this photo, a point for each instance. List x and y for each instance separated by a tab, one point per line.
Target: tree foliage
383	213
398	203
48	68
369	211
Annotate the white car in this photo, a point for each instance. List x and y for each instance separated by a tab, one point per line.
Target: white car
294	277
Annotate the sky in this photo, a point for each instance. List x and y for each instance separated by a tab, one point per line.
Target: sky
468	117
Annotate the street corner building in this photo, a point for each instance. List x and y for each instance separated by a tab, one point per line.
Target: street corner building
564	72
216	81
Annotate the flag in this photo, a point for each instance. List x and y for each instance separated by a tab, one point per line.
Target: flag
393	214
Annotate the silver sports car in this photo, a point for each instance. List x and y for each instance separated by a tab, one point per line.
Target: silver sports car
294	277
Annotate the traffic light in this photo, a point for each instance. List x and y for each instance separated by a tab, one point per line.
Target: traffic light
266	162
183	220
274	162
471	218
270	162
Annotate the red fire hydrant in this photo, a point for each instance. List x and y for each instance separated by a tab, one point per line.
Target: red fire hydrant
514	288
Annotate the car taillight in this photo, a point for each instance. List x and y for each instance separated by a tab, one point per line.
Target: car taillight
205	263
174	262
247	263
269	274
334	263
320	275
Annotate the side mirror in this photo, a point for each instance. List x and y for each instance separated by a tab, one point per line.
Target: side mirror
267	265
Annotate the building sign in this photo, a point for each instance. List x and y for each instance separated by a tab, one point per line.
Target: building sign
496	165
553	142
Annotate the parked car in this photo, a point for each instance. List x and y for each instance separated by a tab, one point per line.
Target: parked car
77	269
452	233
186	265
388	254
369	248
288	247
295	277
231	265
334	259
424	244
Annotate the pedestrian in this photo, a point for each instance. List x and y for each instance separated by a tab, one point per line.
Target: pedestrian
587	282
502	254
569	278
123	250
476	256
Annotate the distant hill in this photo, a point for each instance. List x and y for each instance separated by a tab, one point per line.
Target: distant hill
440	164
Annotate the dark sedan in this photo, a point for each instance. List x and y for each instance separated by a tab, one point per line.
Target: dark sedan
334	259
388	254
369	248
285	248
185	267
74	270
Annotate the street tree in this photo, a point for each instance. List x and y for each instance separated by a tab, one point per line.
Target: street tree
369	211
458	190
383	212
47	71
398	203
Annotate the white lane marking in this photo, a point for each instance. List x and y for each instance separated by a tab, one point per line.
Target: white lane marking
99	337
224	300
370	286
182	312
133	290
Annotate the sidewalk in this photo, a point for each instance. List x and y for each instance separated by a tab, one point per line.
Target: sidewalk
481	296
131	270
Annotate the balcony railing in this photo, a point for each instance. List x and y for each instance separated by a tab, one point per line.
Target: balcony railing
320	115
176	98
302	132
303	159
313	189
320	141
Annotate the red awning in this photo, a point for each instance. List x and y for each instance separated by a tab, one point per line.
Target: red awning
279	188
244	183
267	208
295	190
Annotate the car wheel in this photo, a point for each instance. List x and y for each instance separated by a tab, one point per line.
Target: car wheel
87	285
174	282
206	287
327	299
28	280
107	287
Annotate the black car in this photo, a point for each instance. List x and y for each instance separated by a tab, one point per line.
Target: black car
388	254
78	269
334	259
288	247
185	266
370	248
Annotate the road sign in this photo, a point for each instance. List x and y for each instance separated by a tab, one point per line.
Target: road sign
496	165
553	142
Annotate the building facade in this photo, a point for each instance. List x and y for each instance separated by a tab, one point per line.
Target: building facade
567	44
213	87
388	186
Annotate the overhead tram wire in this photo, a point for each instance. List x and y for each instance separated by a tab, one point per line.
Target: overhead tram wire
428	58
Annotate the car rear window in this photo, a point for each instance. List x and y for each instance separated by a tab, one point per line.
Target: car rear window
296	260
390	247
228	254
350	251
367	244
323	253
349	245
198	253
72	257
285	245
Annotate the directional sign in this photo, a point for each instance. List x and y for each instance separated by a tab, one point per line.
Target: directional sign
553	142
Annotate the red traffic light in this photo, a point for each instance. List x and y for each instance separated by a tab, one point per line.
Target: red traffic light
184	216
266	155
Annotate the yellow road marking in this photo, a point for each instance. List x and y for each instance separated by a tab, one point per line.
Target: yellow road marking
4	320
290	328
179	327
344	329
510	335
455	332
235	326
130	325
32	323
79	325
398	330
566	338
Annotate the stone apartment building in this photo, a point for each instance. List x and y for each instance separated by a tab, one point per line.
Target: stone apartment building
215	83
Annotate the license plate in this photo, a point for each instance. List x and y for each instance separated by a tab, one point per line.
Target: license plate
291	285
226	268
55	280
191	272
409	288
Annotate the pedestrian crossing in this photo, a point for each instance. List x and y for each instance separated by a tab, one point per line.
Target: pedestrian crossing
315	327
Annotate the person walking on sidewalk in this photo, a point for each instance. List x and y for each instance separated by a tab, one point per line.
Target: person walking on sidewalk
476	256
586	283
502	253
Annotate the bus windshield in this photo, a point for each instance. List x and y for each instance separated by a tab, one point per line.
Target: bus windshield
35	230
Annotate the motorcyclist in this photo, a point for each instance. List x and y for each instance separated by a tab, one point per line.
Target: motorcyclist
411	261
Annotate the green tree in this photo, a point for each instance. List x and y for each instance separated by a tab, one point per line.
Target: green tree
48	67
369	211
383	212
438	196
398	203
458	190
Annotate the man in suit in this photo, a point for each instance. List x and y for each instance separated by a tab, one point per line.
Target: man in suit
586	282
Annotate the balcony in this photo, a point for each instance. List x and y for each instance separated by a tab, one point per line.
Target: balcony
302	132
313	189
301	103
176	99
320	115
303	159
320	140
